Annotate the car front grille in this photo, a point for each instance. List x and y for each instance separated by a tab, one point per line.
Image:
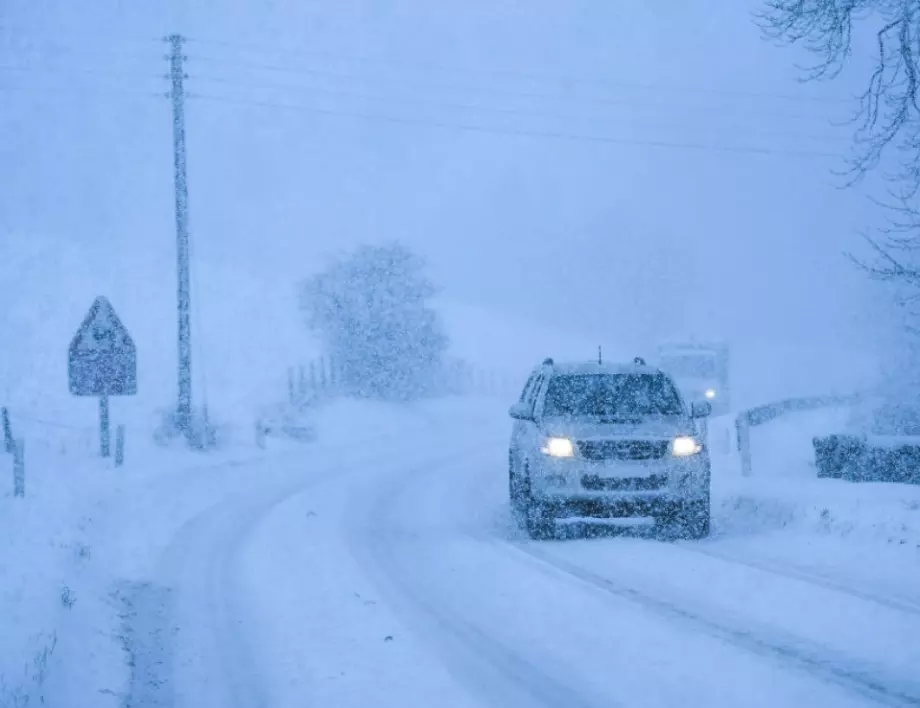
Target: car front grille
623	484
598	450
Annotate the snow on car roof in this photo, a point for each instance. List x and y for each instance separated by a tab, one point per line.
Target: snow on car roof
592	367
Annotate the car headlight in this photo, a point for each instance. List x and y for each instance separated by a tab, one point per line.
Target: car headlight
710	393
685	446
558	447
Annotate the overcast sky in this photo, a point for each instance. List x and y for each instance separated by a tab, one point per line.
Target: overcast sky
628	170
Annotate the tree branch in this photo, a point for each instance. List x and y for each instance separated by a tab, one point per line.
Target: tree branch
888	116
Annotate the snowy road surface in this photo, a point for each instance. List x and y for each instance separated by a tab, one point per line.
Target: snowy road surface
391	574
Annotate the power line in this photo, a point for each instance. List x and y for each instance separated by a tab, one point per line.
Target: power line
399	83
448	105
606	100
529	75
78	70
81	90
30	33
97	54
343	93
549	135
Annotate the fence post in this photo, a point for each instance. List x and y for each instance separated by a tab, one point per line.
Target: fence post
8	443
743	424
19	468
704	431
726	442
302	382
322	372
119	445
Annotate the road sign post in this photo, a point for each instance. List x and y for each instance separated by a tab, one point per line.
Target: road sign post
104	437
102	362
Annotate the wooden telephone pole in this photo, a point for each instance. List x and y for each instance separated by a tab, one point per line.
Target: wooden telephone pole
177	94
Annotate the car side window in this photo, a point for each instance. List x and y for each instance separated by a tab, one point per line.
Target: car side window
535	392
526	392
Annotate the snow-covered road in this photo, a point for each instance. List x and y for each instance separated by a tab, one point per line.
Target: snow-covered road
389	573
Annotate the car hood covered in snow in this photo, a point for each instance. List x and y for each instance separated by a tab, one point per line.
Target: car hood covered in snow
637	428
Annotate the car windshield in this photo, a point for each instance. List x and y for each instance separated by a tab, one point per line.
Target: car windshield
611	395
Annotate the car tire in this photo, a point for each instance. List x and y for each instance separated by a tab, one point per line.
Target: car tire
690	521
697	520
511	483
516	489
540	521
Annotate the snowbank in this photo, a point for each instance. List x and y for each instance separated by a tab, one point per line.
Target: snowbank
51	590
887	514
58	593
87	534
784	492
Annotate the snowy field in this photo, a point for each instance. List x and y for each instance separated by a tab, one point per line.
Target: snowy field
379	566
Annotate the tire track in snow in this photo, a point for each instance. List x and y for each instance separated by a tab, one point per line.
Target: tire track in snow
199	555
808	657
793	573
489	664
149	640
791	651
498	673
204	549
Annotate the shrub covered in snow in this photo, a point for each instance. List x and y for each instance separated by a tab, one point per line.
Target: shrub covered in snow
370	309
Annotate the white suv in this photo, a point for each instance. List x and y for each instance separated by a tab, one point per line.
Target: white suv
607	440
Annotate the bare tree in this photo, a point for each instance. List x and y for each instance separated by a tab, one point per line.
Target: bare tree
888	114
894	251
894	261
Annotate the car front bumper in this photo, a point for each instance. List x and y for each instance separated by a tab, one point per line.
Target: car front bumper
657	506
574	487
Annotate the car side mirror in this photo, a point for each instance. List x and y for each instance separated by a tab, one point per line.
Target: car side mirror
520	411
700	409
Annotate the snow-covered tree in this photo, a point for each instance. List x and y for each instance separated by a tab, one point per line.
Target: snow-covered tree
370	309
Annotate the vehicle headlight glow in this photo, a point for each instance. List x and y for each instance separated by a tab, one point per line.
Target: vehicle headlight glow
710	393
558	447
685	446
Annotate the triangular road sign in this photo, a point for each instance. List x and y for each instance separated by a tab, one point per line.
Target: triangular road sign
102	356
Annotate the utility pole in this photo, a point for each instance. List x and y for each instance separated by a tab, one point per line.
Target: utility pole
177	94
